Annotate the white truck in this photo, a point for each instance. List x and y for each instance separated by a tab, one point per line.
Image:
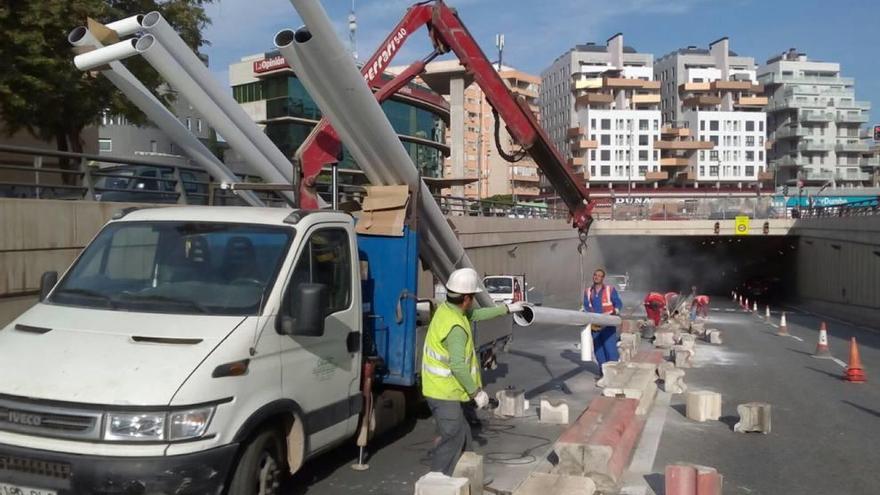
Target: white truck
197	350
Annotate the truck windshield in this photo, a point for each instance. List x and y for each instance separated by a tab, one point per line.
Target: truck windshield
177	267
498	285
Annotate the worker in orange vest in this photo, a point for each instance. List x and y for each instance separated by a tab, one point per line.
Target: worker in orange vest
655	306
603	299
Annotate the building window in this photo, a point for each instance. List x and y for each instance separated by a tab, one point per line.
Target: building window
761	155
702	170
750	156
606	139
656	125
154	147
643	124
713	155
593	170
750	170
105	145
592	123
198	125
702	155
714	140
605	155
761	125
713	170
713	125
702	125
643	155
606	124
750	126
188	124
643	139
592	155
643	170
750	140
605	171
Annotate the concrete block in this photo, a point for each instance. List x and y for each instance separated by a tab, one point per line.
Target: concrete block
470	466
554	412
511	403
440	484
631	340
673	382
624	353
664	339
714	337
697	328
692	479
609	371
703	405
753	416
556	484
682	356
664	368
648	329
689	341
634	383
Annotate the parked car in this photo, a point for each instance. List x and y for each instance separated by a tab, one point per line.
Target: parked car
145	184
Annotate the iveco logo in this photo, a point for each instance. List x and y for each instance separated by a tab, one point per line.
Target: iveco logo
23	418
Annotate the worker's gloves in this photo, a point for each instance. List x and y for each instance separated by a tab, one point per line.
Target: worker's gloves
481	399
515	307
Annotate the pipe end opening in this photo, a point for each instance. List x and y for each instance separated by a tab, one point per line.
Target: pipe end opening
284	38
143	43
302	35
77	34
149	20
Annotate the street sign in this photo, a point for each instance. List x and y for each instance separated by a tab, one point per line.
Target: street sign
741	225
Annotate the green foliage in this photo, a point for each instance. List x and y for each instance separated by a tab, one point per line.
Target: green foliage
40	89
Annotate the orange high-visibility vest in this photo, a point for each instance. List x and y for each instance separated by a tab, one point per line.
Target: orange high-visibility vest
607	305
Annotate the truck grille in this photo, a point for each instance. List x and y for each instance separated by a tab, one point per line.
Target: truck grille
51	421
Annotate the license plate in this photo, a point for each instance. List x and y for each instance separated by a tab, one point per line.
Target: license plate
7	489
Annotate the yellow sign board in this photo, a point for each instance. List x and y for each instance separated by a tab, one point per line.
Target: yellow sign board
741	225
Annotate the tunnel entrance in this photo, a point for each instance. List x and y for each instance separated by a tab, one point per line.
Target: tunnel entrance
762	268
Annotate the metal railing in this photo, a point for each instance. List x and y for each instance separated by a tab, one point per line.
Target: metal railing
868	207
458	206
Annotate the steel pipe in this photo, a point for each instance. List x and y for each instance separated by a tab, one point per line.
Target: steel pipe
553	316
170	70
127	26
160	116
105	55
153	23
329	74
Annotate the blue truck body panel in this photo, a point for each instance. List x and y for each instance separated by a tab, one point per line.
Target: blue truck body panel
389	292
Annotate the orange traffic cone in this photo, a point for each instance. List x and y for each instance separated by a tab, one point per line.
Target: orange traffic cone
822	350
755	307
746	305
767	312
854	372
783	326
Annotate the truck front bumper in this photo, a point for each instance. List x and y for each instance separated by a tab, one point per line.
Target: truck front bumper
199	473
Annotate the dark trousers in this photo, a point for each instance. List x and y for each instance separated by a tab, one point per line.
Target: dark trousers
454	432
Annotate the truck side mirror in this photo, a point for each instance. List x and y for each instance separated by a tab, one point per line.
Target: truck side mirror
309	303
47	282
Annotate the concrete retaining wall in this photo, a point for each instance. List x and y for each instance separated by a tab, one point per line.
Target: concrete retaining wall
41	235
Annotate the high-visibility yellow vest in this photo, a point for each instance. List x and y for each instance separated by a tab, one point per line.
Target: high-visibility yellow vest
437	379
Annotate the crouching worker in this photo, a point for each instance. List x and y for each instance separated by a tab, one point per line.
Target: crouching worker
451	368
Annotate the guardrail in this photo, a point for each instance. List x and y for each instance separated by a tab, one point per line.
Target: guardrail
868	207
458	206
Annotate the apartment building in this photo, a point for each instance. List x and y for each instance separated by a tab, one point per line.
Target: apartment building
815	122
600	106
712	96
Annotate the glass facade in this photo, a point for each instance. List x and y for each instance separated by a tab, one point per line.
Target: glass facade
287	99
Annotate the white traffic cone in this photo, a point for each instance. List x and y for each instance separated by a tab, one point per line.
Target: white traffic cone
783	326
755	307
822	350
767	312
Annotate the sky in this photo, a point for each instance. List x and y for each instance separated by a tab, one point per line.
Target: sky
536	32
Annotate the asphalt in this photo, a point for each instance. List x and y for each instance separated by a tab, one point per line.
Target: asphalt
825	431
541	361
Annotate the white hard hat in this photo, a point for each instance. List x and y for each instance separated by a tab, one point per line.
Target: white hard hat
464	281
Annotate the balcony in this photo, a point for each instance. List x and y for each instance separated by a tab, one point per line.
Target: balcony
694	87
737	86
853	147
816	116
574	132
791	133
683	145
526	178
766	176
860	118
702	100
752	101
655	176
810	146
646	99
675	161
777	78
577	161
675	131
787	161
871	162
593	99
526	191
583	144
622	83
591	83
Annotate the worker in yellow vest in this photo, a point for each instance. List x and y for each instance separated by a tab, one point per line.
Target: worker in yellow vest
450	367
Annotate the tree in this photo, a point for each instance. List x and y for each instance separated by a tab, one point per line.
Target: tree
40	89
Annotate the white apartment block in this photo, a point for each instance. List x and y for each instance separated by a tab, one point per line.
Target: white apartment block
600	106
712	96
815	122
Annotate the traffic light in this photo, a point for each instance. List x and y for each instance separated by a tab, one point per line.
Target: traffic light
877	132
766	228
717	228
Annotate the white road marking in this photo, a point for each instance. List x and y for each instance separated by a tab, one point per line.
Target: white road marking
839	362
730	310
795	337
774	325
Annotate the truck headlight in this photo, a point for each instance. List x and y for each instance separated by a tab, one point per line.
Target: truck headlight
189	424
158	426
135	426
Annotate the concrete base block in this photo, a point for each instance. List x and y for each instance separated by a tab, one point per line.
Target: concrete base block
664	339
714	337
609	371
648	330
634	383
692	479
440	484
625	354
689	341
673	382
470	466
663	368
698	328
554	412
682	356
753	416
511	403
703	405
556	484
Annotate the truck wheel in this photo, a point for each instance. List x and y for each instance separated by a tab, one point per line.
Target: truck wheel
260	469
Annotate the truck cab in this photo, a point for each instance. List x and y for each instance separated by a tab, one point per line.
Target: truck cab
186	350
